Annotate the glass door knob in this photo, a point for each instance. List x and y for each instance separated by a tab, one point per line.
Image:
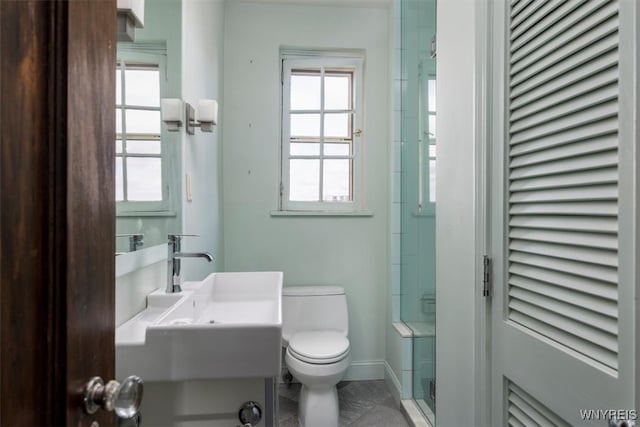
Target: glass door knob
122	398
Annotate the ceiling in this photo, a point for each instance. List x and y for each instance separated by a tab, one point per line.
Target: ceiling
344	3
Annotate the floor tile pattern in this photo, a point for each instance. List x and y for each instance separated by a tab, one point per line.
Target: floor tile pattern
362	403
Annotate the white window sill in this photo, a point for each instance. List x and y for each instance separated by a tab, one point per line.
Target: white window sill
362	214
158	214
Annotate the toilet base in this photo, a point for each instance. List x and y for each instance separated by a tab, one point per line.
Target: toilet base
318	407
318	404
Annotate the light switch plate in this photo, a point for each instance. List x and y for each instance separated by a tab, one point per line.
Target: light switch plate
188	189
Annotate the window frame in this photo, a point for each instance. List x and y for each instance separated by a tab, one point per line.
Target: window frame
151	56
425	206
322	60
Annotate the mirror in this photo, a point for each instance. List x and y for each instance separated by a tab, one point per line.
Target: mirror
148	157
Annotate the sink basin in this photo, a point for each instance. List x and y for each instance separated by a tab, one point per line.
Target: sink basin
226	326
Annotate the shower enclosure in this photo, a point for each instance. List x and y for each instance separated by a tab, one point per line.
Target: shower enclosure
418	196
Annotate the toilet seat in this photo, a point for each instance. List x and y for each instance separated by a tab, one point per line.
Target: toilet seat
319	347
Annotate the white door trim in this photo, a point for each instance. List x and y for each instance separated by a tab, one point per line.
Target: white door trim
482	155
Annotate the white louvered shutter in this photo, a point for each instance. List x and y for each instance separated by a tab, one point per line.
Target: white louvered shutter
524	410
563	176
557	309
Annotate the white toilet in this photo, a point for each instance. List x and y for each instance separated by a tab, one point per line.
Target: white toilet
315	328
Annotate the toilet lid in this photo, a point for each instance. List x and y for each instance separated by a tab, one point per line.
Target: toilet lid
319	346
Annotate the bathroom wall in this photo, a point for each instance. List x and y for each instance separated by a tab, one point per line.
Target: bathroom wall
348	251
202	77
455	213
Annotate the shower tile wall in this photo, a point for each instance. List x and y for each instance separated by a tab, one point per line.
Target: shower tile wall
417	226
406	379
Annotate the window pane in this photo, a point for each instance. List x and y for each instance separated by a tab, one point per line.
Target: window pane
305	125
432	181
304	149
144	179
118	120
432	96
305	92
336	92
336	125
342	149
432	127
304	180
118	146
337	181
140	121
119	189
142	87
143	147
118	87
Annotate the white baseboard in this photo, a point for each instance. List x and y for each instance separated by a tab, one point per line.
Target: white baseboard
363	370
393	383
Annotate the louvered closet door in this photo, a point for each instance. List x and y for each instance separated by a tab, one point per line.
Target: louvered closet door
562	312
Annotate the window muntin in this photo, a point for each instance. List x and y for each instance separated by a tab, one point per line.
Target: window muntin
321	98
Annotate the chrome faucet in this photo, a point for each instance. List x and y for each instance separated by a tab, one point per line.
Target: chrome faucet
173	261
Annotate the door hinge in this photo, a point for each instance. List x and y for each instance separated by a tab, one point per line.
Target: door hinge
487	279
432	390
281	190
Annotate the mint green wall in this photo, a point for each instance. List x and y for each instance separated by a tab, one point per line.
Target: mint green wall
202	77
163	23
351	252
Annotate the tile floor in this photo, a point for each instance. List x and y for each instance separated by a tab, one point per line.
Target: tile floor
362	403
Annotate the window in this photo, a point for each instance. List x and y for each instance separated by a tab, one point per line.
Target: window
142	183
427	145
431	116
321	130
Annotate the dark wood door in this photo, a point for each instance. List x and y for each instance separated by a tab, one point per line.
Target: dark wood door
57	213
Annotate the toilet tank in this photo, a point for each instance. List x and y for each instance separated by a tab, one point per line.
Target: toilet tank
313	308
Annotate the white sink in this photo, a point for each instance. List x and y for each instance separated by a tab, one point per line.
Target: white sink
227	326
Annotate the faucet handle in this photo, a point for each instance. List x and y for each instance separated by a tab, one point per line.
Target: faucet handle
177	237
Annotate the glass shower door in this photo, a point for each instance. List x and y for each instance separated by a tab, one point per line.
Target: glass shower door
418	156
